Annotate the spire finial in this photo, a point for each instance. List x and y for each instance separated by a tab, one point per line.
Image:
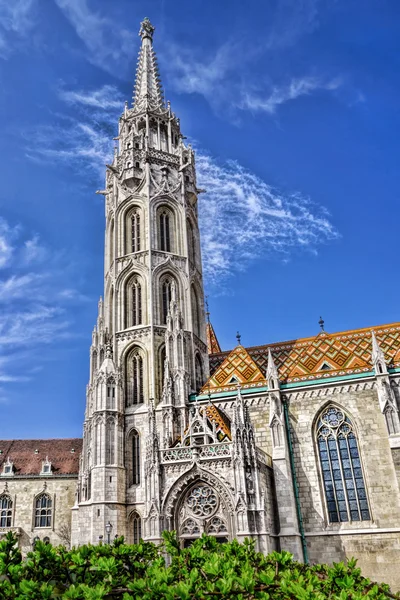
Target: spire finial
238	337
146	29
321	323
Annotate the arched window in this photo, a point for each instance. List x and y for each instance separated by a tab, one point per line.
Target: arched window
164	224
110	393
111	244
135	231
110	444
134	302
342	474
111	311
195	312
191	242
134	378
166	290
5	510
161	368
135	458
43	511
392	420
136	527
199	372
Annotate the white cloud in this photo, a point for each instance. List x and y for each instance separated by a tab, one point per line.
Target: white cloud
282	94
17	286
109	45
106	97
241	215
7	236
243	218
16	18
33	251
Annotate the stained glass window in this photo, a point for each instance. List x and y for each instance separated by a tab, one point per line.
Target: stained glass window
342	474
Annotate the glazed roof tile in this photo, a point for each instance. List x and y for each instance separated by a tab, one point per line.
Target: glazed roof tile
27	455
327	354
213	346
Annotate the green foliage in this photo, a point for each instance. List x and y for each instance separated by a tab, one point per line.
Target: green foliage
206	570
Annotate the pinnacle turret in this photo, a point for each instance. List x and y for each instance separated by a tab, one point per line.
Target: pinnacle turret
148	93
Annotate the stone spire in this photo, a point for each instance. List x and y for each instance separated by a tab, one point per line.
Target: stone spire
272	373
378	358
148	93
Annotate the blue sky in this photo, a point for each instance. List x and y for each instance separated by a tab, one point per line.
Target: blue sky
292	106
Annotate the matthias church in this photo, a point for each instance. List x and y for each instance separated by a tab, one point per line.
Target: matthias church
294	444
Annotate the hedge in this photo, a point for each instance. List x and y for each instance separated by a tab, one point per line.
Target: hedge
206	570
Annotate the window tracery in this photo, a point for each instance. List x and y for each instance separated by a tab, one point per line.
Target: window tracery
164	225
43	511
190	527
166	297
202	501
6	506
217	525
134	378
342	474
135	231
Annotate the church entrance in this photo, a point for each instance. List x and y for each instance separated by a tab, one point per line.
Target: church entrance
202	511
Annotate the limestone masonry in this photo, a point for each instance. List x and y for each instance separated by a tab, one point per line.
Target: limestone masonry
295	444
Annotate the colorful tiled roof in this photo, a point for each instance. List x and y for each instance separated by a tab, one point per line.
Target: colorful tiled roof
223	425
212	341
27	455
325	355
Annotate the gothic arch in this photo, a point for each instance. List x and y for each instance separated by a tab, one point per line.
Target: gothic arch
343	482
135	371
199	371
111	246
163	292
196	310
135	527
172	501
133	456
134	301
172	210
132	228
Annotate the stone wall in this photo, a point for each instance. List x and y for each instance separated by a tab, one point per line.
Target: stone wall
23	492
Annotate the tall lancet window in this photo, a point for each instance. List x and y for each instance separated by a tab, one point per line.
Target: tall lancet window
199	372
137	527
134	378
43	511
135	231
136	291
135	458
166	290
165	230
342	474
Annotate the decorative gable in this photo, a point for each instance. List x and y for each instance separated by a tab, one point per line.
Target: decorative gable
237	368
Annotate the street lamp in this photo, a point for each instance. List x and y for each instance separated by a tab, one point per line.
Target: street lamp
108	531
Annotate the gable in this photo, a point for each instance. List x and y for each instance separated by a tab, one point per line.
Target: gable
237	368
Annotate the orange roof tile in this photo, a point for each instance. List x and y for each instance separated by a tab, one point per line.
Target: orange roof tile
327	354
212	341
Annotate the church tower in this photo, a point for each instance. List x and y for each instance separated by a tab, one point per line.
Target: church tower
148	351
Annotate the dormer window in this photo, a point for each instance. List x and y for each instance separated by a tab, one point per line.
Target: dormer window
8	468
46	467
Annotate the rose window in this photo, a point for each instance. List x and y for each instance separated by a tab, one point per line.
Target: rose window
202	501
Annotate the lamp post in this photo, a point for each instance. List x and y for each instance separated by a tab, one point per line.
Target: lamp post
108	531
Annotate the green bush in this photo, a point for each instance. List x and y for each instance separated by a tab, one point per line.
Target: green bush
206	570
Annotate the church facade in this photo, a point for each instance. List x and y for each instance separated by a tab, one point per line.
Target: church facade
294	444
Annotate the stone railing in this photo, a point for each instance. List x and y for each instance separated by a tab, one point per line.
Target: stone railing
189	453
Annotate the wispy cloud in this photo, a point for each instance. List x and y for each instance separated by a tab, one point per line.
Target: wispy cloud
16	19
280	95
106	97
243	218
240	216
108	44
35	305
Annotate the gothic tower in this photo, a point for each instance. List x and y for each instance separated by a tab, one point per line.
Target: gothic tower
148	349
